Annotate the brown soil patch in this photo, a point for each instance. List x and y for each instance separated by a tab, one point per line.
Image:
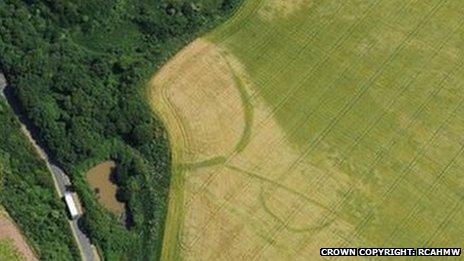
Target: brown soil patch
100	180
8	230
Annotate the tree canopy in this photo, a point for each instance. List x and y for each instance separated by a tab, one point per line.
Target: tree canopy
78	69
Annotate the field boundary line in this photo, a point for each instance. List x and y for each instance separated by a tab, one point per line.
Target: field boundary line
244	14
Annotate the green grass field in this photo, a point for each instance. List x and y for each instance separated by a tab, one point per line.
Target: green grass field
370	96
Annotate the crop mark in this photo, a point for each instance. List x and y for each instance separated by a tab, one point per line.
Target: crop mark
203	164
177	118
333	85
248	111
351	102
348	67
206	183
276	184
381	153
282	222
247	115
288	189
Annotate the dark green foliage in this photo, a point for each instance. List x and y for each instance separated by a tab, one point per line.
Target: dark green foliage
28	194
78	69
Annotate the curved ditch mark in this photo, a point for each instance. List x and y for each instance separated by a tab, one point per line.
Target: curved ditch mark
311	228
204	163
244	215
248	110
185	137
179	179
169	252
248	117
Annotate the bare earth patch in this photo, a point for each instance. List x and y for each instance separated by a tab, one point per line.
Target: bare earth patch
8	231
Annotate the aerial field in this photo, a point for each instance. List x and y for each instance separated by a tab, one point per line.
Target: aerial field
13	245
305	124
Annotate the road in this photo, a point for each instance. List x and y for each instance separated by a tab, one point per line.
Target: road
2	84
61	181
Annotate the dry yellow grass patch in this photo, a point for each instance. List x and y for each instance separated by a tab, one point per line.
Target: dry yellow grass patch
262	201
202	108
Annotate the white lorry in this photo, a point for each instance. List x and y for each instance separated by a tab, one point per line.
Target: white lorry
72	208
2	84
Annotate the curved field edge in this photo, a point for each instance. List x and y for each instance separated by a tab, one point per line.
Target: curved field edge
172	244
164	108
387	114
175	215
174	221
180	139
